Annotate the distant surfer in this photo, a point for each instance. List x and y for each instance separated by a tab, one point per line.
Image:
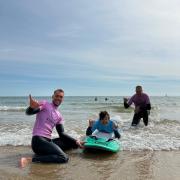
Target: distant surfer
142	106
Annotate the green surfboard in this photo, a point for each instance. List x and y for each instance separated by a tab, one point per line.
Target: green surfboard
92	142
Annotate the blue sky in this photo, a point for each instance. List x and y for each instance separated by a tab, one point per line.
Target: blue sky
97	47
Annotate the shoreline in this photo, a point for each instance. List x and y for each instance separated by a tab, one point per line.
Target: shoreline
122	165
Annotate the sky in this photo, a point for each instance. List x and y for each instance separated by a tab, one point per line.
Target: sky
91	48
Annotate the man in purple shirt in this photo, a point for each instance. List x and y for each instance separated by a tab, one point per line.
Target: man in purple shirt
47	117
142	106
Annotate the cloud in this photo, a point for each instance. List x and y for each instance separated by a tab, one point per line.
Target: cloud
101	41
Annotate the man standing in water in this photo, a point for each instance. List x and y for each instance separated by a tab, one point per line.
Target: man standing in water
142	106
46	149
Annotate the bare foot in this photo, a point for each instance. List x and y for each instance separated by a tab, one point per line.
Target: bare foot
24	161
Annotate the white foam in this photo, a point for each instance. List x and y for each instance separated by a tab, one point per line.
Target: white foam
162	133
117	119
141	138
153	137
12	108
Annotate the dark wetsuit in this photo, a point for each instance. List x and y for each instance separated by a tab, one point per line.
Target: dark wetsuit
143	103
51	150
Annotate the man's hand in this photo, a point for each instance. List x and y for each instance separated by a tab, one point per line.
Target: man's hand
33	103
80	144
125	100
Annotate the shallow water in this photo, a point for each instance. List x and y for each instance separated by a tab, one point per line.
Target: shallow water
163	132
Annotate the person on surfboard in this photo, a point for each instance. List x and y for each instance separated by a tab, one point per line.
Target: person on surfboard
103	124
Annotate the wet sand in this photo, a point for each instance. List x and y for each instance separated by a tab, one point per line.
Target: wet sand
125	165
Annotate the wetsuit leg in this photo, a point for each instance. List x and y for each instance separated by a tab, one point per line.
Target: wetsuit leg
145	118
47	151
65	142
136	119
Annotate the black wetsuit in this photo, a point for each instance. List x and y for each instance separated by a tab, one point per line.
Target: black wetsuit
143	113
51	150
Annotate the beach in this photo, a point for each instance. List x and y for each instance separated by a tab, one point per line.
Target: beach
151	152
69	69
140	165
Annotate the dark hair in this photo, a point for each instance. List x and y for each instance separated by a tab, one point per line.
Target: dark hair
58	90
103	114
137	87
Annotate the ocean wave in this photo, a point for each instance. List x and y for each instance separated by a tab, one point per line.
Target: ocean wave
168	122
12	109
153	137
162	133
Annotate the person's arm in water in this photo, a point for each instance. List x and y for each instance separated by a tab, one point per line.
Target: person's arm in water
91	127
34	106
89	131
116	132
75	143
62	134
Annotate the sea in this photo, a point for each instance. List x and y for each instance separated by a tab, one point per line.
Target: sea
162	133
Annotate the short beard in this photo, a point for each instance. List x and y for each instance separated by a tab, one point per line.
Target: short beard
56	104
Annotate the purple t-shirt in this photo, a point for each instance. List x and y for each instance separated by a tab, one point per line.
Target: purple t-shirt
46	119
139	100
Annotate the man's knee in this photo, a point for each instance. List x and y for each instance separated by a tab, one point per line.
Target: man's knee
63	158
